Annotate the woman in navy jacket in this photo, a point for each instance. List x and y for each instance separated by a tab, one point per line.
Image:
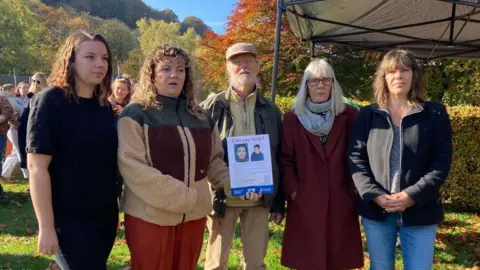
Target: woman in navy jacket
399	156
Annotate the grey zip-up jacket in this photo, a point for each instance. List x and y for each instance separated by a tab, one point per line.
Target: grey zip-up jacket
426	147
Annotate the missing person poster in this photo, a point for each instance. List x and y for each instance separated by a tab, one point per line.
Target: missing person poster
250	164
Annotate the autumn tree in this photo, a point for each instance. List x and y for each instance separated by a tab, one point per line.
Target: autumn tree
19	35
59	23
154	33
133	63
120	38
254	21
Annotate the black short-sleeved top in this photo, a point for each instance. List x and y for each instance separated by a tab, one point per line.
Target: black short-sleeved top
82	140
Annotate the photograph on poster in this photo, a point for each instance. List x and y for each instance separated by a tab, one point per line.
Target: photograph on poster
241	152
257	154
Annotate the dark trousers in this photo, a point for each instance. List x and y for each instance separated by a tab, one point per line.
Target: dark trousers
85	243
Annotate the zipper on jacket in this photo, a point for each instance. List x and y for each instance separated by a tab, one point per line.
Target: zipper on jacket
230	130
188	151
400	217
390	122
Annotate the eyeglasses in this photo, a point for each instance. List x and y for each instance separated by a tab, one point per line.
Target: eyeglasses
316	81
36	81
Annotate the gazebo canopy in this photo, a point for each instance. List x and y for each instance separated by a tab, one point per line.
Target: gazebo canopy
429	28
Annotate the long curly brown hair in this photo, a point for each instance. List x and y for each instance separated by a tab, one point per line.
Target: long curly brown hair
63	72
146	91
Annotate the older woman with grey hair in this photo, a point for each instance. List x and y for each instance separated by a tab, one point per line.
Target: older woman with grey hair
322	228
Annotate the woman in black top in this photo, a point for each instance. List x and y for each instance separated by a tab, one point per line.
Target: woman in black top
72	148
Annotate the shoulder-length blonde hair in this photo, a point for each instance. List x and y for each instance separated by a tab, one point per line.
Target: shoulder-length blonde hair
34	87
63	71
146	91
319	68
128	83
393	59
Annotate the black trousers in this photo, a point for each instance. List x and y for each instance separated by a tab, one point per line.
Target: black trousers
85	243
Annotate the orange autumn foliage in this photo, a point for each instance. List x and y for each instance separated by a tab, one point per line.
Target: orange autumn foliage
254	21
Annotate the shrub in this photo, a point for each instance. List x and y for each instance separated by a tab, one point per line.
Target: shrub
462	188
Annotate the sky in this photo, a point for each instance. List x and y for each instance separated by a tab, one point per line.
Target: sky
213	13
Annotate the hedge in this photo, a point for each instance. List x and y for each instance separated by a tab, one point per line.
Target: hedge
462	188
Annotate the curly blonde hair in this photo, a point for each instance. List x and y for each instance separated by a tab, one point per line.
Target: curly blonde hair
393	59
146	91
63	72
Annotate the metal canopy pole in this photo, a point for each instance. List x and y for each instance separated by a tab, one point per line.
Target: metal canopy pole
452	23
299	2
278	28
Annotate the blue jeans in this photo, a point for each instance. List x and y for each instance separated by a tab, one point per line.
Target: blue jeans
417	244
3	145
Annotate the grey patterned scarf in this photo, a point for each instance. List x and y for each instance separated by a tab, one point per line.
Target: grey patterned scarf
317	117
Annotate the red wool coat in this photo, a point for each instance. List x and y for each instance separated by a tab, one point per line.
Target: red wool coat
322	230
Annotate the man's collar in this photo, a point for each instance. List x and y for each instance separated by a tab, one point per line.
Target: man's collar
236	96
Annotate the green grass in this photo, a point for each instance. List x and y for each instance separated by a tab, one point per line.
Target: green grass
457	244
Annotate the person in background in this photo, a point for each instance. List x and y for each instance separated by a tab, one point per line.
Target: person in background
13	159
242	110
21	93
121	93
322	228
6	112
72	156
38	82
399	186
169	154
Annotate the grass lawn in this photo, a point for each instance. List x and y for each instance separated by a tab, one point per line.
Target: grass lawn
457	245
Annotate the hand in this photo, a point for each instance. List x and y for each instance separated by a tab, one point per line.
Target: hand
13	123
293	196
118	109
276	217
252	196
401	202
47	241
384	201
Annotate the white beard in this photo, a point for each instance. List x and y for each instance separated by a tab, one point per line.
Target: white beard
243	80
